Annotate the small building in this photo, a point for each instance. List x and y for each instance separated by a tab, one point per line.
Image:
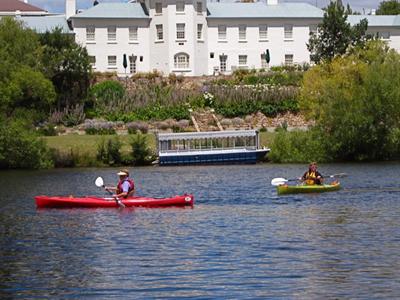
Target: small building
214	147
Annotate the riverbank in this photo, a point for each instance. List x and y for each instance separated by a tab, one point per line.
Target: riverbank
82	150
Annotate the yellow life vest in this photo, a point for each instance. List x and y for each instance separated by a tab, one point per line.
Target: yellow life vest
310	178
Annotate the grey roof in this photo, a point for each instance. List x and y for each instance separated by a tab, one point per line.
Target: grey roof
262	10
113	11
41	24
375	21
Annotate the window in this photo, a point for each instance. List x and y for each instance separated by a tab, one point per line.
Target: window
112	33
288	31
263	32
222	62
158	8
159	31
288	59
199	8
242	32
264	64
112	61
384	35
181	61
242	60
199	31
222	32
180	6
313	29
211	54
90	33
180	31
132	64
133	33
92	60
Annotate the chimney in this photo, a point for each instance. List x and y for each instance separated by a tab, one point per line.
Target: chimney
70	8
272	2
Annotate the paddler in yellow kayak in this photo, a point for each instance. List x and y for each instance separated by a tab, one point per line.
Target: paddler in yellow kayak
312	176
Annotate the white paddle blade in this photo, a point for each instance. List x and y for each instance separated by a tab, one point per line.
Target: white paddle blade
99	182
278	181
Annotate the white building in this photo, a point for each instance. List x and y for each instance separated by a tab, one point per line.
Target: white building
194	37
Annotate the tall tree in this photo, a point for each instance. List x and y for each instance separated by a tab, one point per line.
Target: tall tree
67	65
390	7
335	35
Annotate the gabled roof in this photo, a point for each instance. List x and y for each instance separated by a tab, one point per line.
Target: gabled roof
41	24
262	10
375	21
113	11
14	5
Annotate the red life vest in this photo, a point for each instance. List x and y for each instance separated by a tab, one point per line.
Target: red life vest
131	185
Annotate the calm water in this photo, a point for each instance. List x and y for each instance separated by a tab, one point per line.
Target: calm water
240	241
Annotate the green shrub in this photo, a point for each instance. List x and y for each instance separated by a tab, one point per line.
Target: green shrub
108	151
107	90
297	147
141	153
20	148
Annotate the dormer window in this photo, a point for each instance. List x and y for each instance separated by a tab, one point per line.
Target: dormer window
180	6
158	8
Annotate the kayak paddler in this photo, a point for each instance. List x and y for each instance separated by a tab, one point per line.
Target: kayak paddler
125	186
312	176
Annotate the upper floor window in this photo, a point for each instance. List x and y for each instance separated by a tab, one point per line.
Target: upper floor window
199	8
159	32
242	32
289	59
313	29
180	31
112	33
158	8
90	33
181	61
180	6
263	32
288	31
133	33
384	35
222	32
199	31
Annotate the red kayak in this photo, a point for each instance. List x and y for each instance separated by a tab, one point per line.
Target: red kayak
93	201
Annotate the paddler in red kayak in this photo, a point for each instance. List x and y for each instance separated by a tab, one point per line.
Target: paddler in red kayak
125	186
312	176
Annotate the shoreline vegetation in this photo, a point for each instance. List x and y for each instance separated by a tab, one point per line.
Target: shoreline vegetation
346	107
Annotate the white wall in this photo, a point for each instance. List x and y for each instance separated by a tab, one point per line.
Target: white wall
101	48
253	47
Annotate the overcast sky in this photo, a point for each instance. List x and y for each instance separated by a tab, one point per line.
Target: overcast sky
58	6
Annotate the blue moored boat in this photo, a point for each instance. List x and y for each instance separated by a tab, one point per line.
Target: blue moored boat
213	147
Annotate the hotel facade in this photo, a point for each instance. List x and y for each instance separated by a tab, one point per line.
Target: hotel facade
196	37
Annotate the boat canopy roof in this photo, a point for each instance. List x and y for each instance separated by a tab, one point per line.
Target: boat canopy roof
206	135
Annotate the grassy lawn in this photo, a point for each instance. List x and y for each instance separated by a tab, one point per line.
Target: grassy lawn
88	143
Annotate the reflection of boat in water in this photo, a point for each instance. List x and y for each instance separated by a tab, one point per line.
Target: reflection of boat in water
238	146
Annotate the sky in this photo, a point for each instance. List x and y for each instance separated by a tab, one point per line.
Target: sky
58	6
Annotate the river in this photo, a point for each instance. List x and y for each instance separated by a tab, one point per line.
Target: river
240	241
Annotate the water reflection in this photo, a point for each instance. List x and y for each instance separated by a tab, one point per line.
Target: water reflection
240	241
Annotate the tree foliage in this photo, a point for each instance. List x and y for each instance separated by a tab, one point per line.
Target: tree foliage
67	65
355	102
390	7
335	35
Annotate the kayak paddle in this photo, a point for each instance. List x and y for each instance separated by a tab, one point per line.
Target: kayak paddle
280	181
99	182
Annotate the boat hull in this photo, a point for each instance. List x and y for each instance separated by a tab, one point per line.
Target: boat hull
301	189
95	202
213	157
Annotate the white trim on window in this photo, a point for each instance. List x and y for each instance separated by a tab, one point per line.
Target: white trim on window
180	31
242	33
90	33
133	33
288	34
112	33
112	61
159	32
199	31
289	59
263	32
221	32
181	60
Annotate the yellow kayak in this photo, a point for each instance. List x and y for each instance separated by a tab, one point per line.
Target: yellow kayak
299	189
